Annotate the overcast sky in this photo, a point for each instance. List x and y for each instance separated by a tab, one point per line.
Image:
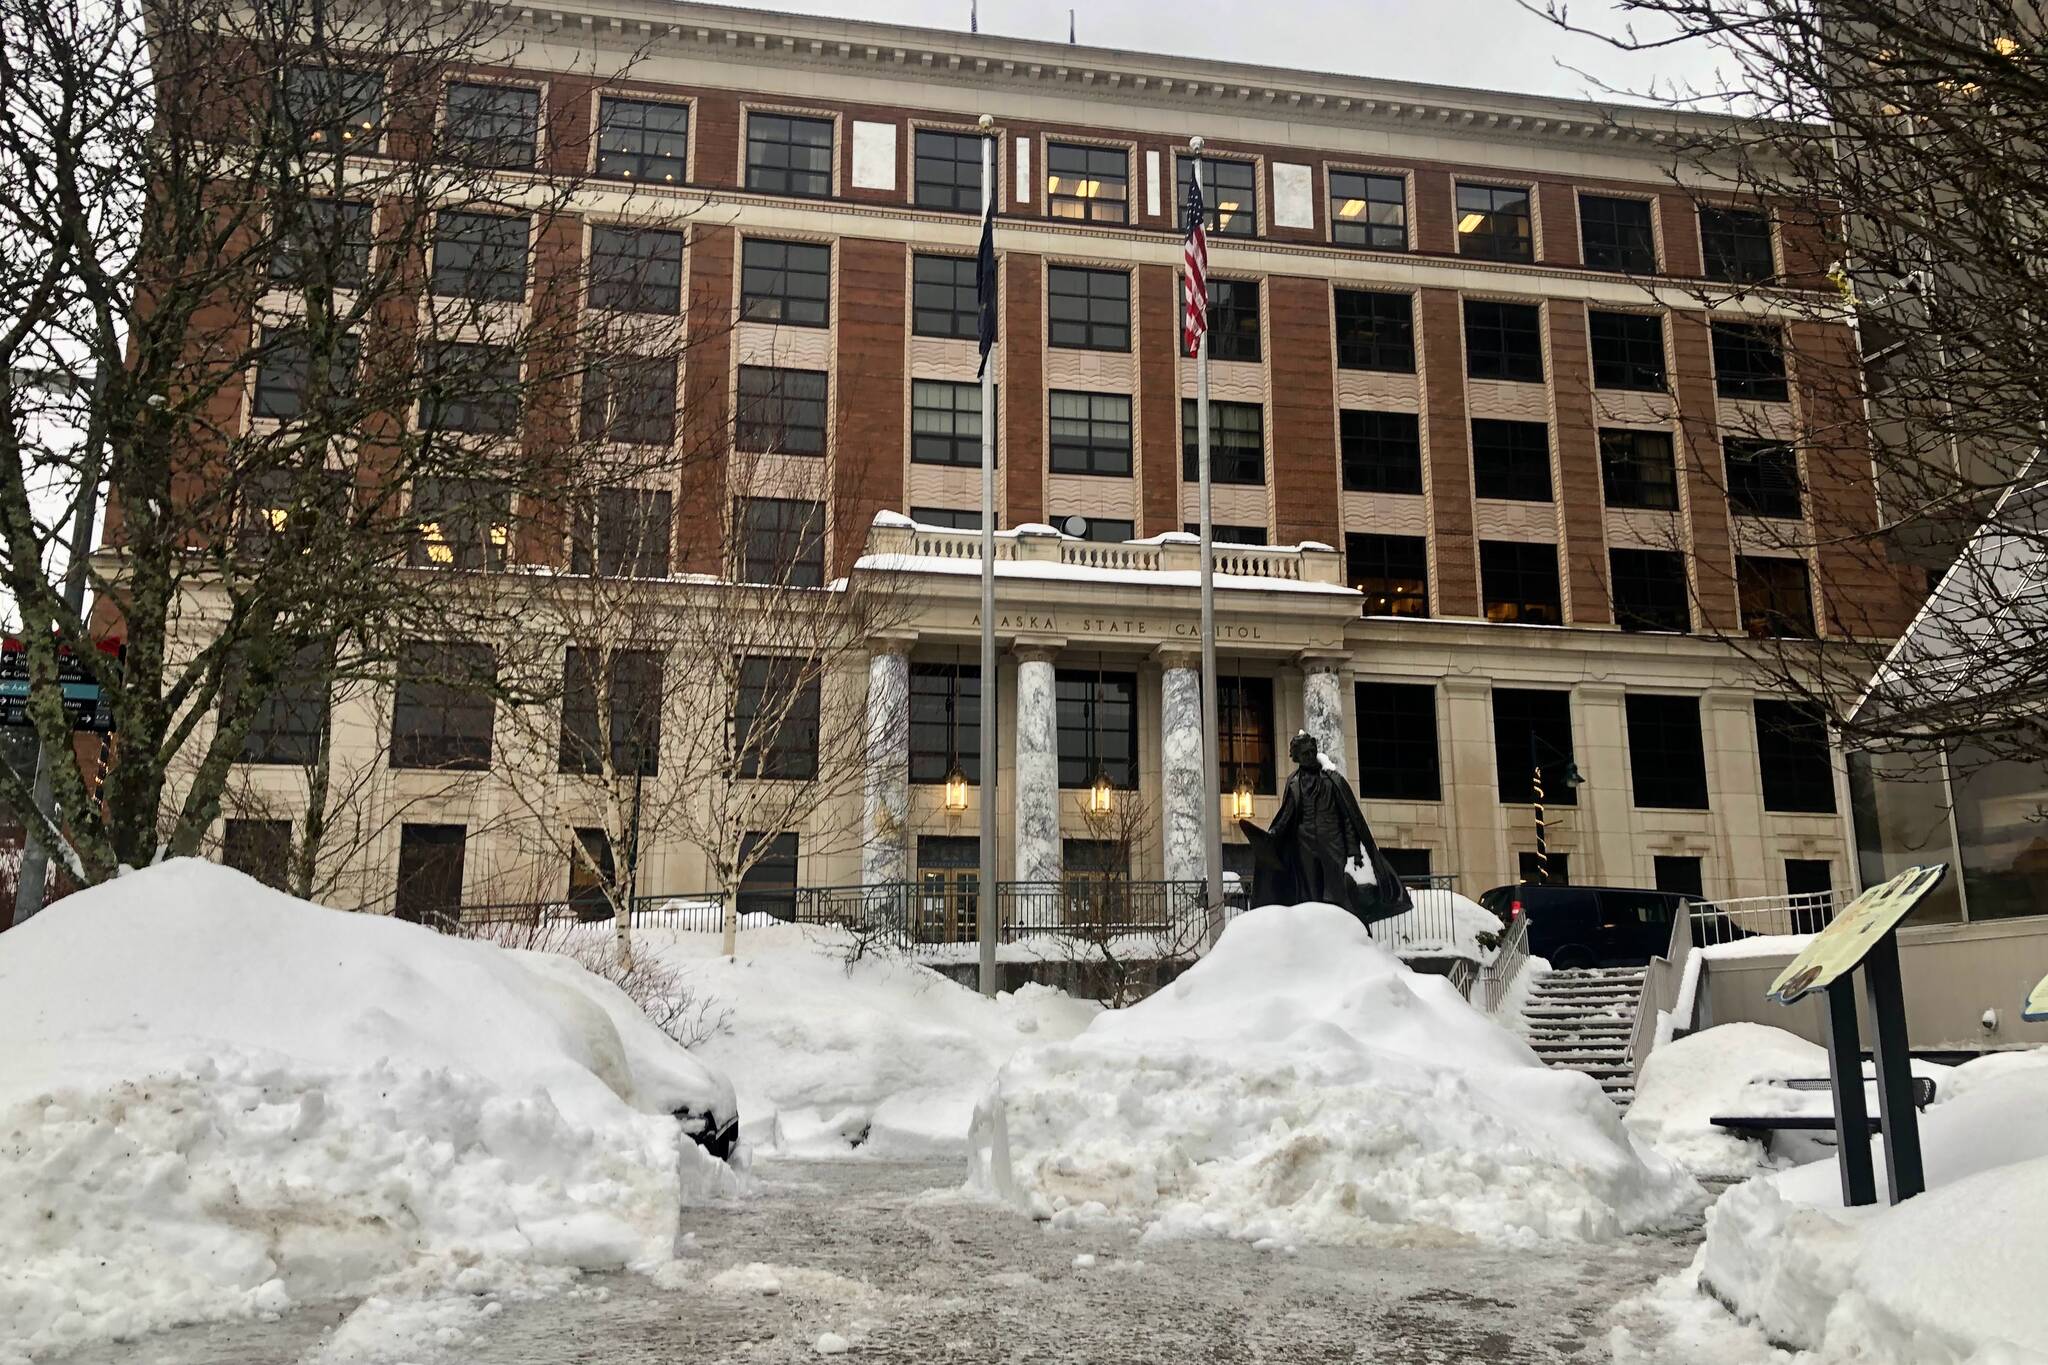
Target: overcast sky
1493	44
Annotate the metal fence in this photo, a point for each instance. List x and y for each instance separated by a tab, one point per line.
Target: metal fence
1499	975
1715	922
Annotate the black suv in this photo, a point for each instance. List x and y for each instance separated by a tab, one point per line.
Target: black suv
1590	926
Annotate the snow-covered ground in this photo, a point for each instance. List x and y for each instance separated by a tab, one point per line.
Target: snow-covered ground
879	1056
217	1101
1300	1084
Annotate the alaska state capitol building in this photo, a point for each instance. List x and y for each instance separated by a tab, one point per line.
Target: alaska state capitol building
1476	457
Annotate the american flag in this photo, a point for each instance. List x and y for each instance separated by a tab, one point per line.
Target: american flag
1195	320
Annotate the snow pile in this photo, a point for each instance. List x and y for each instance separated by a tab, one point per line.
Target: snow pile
1300	1084
218	1101
1723	1070
1948	1277
880	1056
1442	924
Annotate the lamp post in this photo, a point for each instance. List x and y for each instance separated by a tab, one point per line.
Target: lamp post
1571	779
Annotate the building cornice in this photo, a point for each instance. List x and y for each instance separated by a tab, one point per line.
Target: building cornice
1026	67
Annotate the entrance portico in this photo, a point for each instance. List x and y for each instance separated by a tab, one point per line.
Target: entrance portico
1100	642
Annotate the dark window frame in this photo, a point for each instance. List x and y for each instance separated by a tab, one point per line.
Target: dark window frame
960	444
1080	699
1627	350
951	193
1763	478
285	369
1246	734
471	523
1095	443
335	121
342	236
635	269
1089	287
1729	244
1233	321
945	722
491	407
628	400
474	256
961	315
1389	571
1667	752
1380	452
1492	243
1606	242
628	533
1638	469
1237	447
1504	341
629	685
768	129
1519	582
289	720
1399	754
1370	335
1095	166
1371	234
1794	759
785	283
787	548
1545	712
1649	589
1244	178
505	135
775	418
438	697
1775	597
1749	361
639	153
1511	460
789	753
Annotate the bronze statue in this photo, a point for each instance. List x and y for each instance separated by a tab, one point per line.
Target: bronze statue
1319	830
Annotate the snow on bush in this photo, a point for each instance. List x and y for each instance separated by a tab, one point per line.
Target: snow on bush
1948	1277
217	1101
1301	1084
878	1056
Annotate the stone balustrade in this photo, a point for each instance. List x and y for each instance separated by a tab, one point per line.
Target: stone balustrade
1311	562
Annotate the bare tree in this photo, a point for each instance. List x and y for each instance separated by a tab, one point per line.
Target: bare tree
1898	147
312	276
1125	936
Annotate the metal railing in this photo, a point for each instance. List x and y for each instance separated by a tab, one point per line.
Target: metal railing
1500	974
1715	922
1087	907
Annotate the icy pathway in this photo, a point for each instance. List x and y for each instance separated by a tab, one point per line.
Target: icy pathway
860	1251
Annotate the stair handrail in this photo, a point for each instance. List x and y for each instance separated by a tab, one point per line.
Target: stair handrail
1507	964
1661	981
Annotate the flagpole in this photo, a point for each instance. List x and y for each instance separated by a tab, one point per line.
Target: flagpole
988	906
1212	789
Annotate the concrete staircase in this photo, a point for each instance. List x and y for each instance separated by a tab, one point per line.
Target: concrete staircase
1582	1020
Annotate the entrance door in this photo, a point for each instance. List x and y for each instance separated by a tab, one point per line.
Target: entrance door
430	874
948	889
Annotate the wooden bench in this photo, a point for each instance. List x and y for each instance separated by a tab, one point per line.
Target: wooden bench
1763	1125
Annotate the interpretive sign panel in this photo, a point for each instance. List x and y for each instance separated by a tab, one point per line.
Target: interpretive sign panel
1837	949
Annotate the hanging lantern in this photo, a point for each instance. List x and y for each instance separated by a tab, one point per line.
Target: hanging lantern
1101	796
1241	800
956	790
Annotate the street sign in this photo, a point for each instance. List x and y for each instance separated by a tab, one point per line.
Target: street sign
85	701
1838	949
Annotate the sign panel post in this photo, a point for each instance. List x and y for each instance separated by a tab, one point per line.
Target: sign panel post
1845	1079
1903	1173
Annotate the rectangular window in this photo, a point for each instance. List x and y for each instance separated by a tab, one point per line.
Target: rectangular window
942	298
1493	223
1628	351
1233	319
1666	755
1532	729
789	155
786	282
259	848
1098	728
471	388
945	422
1809	876
1381	451
441	710
1397	742
1637	469
1511	460
1229	535
948	173
945	722
1088	310
1615	234
1531	871
775	720
1735	245
768	886
1391	571
480	256
287	502
1504	341
460	523
592	872
1230	196
1375	331
286	368
1792	751
1763	478
289	720
1091	183
1244	733
636	270
1237	442
496	126
1679	874
1369	210
1107	530
627	536
780	410
948	518
429	888
643	141
1411	865
322	242
1518	580
629	399
1650	591
630	682
1775	596
1749	362
334	110
782	541
1090	433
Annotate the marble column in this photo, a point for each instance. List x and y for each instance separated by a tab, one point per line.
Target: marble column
1037	796
1322	704
1180	733
886	798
